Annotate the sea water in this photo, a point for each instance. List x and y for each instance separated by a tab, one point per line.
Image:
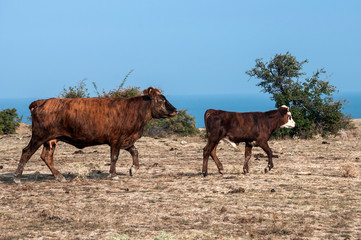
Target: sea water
196	105
20	104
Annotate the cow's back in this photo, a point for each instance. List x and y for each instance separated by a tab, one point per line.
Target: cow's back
88	120
76	111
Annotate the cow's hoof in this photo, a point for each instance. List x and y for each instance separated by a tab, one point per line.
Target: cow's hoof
221	171
132	170
115	178
266	170
61	179
17	180
245	171
205	174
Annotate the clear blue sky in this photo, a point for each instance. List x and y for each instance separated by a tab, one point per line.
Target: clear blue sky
183	47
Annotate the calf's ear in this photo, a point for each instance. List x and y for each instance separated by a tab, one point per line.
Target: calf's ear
283	110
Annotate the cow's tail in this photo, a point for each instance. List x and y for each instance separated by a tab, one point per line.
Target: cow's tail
36	104
33	106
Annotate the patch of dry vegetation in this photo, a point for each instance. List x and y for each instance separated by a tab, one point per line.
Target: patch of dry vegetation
350	170
169	199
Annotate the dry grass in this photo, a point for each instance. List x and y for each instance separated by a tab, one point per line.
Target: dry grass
350	170
169	199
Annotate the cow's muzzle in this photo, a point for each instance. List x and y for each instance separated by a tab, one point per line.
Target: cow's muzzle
173	113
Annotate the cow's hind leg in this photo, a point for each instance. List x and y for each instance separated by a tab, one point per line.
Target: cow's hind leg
48	157
247	156
268	150
216	160
28	151
134	152
114	154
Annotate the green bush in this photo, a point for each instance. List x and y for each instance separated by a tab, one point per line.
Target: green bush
9	121
78	91
182	124
310	99
122	93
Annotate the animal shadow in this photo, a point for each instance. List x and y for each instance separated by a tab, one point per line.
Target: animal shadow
8	178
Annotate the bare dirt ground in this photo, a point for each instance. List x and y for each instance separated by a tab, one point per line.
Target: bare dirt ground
314	192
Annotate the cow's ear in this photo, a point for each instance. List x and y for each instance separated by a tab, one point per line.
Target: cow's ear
151	92
147	91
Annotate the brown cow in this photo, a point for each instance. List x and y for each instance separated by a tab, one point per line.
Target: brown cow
84	122
253	128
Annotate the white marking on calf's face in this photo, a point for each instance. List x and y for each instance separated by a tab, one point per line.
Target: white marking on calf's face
290	123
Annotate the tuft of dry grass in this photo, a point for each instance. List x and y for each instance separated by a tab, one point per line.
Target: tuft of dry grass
350	171
83	170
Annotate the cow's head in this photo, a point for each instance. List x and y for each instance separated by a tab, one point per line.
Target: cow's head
287	119
160	107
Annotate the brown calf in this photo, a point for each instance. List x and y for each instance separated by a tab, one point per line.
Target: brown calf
253	128
84	122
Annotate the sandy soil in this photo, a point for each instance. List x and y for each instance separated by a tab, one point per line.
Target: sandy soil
314	192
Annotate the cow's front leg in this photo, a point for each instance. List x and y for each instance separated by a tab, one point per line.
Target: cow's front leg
247	156
134	152
268	150
114	154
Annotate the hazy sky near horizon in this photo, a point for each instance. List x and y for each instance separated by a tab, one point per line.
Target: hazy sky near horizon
183	47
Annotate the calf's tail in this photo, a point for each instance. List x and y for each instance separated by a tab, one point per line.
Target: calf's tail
207	114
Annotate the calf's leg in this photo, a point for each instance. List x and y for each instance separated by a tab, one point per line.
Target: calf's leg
216	160
206	153
247	154
48	157
268	150
134	152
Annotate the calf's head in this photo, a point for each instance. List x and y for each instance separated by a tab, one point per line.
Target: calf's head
160	107
287	119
